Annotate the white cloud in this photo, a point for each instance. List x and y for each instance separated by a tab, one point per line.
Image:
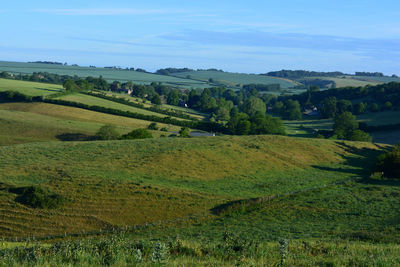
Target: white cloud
106	11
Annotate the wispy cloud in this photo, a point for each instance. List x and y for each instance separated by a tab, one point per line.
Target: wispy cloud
119	42
106	11
286	40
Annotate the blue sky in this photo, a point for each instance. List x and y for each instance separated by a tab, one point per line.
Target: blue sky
242	36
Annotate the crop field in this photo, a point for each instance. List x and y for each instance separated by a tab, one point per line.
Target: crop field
234	79
99	179
34	122
347	81
30	88
377	79
108	74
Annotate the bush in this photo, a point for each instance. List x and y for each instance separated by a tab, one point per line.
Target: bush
138	134
389	163
37	197
184	132
153	126
107	132
358	135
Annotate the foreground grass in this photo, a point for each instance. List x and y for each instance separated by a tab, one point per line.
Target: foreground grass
231	251
117	183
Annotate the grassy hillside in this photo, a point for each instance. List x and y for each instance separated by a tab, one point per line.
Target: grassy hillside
96	101
191	112
346	81
233	79
117	183
29	88
33	122
108	74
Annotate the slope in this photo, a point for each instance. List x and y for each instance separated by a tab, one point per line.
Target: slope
109	184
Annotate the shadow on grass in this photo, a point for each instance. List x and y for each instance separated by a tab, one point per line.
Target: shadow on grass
360	162
75	137
47	89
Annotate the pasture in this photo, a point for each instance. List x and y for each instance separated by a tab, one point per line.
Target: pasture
30	88
346	81
164	180
39	122
96	101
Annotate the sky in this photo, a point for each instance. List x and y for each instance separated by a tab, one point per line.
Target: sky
249	36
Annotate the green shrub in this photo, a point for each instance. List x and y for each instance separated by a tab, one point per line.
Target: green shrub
138	134
107	132
184	132
37	197
153	126
389	163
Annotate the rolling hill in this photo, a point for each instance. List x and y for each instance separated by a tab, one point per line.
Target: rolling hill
115	183
233	79
40	122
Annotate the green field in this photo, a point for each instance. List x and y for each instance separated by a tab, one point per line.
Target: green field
346	81
39	122
111	75
100	177
30	88
191	112
306	128
96	101
234	79
377	79
187	193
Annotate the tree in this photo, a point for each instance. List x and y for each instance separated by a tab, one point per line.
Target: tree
173	98
360	108
239	123
358	135
328	109
156	100
344	105
254	105
265	124
387	106
389	163
4	74
344	124
222	114
153	126
69	85
277	108
107	132
184	132
374	107
291	110
138	134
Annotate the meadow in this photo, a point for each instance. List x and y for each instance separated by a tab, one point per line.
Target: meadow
96	101
30	88
157	196
163	179
40	122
